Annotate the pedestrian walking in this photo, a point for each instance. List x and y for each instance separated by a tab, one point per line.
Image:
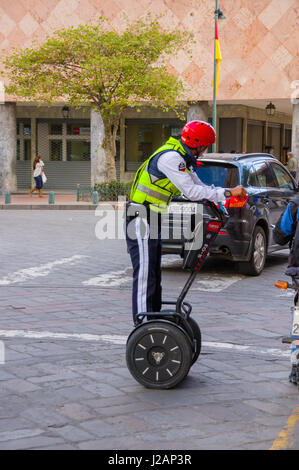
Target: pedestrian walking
169	171
39	176
292	164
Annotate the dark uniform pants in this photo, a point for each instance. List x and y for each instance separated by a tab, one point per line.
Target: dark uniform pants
145	252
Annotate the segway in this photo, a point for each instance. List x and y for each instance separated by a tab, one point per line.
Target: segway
293	337
164	345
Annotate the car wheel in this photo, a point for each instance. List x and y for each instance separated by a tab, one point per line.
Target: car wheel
256	264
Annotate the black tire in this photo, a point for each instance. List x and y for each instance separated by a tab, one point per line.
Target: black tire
158	354
256	264
197	338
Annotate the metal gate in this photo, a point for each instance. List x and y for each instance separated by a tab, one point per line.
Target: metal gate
23	171
65	149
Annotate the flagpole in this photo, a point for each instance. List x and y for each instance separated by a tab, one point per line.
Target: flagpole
214	114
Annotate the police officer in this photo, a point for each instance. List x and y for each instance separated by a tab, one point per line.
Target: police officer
169	171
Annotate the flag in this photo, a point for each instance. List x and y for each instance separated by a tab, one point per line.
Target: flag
218	58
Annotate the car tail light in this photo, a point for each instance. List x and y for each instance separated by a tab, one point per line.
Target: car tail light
236	201
281	284
213	226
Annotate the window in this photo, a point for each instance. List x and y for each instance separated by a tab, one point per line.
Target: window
78	150
23	139
18	150
27	130
249	177
55	150
144	136
27	149
264	175
283	178
55	129
78	128
219	175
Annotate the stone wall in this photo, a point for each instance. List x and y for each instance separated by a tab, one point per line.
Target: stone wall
8	139
258	38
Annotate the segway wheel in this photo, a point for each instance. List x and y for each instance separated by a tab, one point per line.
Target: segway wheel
159	354
197	339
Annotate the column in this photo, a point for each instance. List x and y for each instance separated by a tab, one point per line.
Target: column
266	133
244	135
295	130
33	146
8	143
98	156
198	111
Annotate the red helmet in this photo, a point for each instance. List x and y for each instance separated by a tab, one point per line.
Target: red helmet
198	133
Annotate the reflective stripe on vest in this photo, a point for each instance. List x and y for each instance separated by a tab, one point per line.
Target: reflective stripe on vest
152	193
161	191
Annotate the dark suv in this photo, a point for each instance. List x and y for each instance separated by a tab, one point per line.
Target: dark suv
247	236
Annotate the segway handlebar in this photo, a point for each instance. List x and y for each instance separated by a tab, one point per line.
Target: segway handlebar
197	253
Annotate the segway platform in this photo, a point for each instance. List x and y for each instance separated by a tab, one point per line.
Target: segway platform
164	345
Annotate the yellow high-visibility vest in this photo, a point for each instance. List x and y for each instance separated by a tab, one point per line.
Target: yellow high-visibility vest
157	194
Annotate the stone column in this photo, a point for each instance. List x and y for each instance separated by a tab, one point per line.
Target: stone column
295	130
98	156
8	143
244	135
33	146
198	111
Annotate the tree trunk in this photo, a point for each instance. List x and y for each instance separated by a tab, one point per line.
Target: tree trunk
103	147
109	145
98	155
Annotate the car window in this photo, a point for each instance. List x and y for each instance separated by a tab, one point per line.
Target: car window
218	175
264	175
251	180
283	178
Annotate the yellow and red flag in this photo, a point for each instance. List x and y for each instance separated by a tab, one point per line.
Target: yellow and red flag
218	58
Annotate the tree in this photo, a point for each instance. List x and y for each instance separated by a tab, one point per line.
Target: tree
90	64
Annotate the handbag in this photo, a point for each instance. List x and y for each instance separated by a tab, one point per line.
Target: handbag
44	178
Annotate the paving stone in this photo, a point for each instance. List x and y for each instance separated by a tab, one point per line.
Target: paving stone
73	433
30	443
19	386
44	416
57	394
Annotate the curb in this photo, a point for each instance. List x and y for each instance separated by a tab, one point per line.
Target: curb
70	207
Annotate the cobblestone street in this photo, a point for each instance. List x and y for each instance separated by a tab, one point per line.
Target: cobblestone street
65	314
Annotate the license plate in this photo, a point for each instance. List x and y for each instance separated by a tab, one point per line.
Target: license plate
295	324
181	208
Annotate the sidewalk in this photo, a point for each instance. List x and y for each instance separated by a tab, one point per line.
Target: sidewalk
62	202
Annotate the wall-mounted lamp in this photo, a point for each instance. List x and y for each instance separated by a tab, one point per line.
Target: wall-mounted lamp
270	109
66	112
219	14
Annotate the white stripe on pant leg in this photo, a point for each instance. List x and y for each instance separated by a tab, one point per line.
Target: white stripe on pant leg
146	268
137	227
143	268
141	265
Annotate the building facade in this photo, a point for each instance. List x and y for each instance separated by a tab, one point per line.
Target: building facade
259	42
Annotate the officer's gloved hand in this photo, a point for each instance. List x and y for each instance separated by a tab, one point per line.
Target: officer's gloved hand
238	191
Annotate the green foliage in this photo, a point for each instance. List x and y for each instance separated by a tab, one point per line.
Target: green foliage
110	191
109	71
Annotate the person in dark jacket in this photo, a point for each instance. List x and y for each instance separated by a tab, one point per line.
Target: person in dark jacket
287	231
